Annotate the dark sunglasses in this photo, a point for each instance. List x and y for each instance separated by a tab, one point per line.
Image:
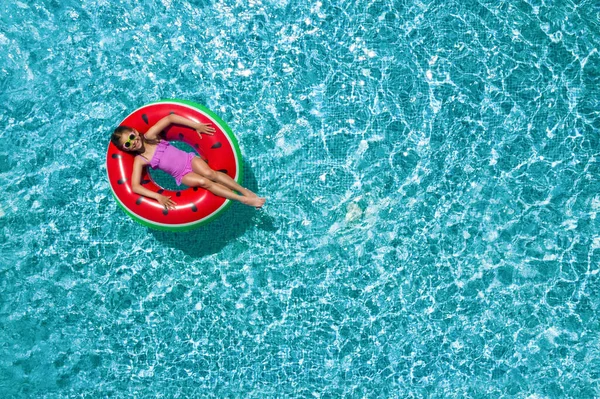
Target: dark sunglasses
128	142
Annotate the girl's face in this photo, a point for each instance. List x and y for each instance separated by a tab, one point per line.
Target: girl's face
131	141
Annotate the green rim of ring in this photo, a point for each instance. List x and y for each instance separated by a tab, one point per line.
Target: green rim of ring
239	178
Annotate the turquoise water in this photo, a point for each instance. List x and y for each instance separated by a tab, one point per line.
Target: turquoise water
431	231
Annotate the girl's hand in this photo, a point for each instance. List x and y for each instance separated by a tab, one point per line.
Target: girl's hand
204	128
166	202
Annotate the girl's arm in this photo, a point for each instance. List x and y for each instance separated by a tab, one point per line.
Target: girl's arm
136	186
162	124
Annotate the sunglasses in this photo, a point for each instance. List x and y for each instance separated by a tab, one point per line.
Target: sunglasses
129	142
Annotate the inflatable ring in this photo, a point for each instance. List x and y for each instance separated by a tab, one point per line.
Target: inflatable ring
195	206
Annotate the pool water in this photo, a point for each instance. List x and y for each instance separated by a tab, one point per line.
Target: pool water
431	173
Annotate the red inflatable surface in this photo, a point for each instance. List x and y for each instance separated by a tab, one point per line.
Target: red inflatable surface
195	206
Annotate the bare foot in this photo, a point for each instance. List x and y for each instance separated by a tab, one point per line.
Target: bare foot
255	201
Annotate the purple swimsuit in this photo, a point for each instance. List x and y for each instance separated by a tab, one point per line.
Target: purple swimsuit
172	160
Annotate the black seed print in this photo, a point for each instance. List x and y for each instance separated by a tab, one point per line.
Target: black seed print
195	188
145	118
165	211
178	193
172	112
216	145
121	181
180	136
194	208
139	201
196	146
222	171
161	191
145	182
116	156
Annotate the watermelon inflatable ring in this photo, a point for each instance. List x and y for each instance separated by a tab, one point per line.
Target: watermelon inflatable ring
195	206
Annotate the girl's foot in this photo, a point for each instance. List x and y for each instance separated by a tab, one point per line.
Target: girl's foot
255	201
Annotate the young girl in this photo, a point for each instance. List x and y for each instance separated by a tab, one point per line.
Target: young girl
185	167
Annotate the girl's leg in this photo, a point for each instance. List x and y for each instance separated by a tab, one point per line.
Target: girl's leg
200	167
195	180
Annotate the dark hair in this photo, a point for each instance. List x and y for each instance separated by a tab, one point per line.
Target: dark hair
121	130
118	133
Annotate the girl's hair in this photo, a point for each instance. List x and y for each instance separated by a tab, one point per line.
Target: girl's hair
118	133
121	130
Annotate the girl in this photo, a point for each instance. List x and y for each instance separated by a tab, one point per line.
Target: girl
185	167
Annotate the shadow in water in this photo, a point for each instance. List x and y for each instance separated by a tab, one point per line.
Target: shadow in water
213	237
